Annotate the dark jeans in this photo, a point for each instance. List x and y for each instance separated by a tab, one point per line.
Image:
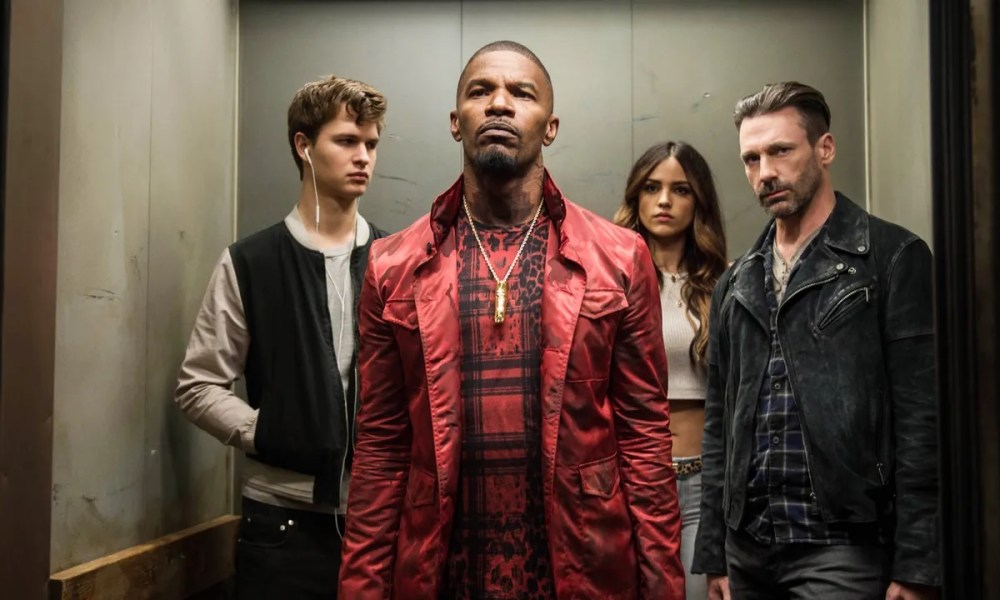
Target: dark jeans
776	571
286	553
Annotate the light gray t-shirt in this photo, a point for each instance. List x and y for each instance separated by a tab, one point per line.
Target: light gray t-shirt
339	288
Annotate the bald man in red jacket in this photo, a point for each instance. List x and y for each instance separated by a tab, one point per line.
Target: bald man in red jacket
513	435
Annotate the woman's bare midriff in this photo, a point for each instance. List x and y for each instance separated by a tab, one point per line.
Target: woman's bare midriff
687	423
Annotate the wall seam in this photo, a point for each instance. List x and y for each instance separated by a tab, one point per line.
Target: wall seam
865	82
236	118
461	64
232	484
631	64
149	530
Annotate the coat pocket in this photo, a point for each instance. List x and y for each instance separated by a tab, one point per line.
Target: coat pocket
419	547
606	549
401	312
593	342
420	487
600	478
600	302
847	303
264	529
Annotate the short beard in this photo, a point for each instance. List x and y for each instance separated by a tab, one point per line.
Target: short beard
801	193
493	163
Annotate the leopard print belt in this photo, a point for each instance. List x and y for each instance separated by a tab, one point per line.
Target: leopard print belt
688	467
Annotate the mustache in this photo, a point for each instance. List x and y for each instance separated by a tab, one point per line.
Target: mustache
771	187
501	125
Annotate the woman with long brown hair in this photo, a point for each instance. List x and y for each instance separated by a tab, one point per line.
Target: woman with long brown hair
670	199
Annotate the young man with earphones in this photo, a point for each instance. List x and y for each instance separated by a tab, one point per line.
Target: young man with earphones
280	312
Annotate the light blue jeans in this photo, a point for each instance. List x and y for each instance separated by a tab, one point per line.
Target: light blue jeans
689	493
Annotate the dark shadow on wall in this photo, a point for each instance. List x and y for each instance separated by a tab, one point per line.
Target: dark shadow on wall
4	79
965	163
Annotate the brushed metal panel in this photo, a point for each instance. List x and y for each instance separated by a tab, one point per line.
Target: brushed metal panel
586	47
692	61
899	102
188	475
146	206
407	50
97	493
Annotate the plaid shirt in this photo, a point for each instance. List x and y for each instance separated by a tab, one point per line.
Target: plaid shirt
780	501
499	547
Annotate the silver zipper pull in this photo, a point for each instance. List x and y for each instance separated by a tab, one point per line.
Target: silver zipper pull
866	295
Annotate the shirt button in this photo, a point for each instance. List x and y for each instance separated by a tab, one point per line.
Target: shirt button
861	248
775	440
777	385
840	266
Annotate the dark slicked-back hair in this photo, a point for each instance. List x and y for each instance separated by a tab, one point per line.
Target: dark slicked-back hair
807	100
509	46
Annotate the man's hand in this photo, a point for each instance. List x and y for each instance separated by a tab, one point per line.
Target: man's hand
718	587
902	591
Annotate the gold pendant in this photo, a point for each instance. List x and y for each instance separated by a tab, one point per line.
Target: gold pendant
501	302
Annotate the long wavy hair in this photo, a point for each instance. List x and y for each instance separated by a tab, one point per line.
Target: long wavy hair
704	257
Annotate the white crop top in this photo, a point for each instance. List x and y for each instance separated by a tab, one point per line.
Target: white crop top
684	381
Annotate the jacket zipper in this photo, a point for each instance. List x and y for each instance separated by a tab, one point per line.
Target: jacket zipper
879	465
804	288
805	438
357	382
842	300
880	447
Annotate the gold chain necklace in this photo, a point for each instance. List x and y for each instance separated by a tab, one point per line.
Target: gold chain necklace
500	309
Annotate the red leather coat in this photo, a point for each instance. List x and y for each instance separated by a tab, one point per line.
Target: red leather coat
610	493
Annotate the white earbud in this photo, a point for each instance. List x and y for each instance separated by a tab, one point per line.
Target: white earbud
312	171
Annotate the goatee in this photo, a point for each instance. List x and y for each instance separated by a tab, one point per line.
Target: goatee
494	163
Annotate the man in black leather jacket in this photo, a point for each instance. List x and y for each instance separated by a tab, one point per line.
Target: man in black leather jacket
820	450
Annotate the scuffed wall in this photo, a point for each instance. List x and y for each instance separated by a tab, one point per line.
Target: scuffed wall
626	75
146	206
899	93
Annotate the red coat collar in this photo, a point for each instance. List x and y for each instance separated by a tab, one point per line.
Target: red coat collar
446	207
